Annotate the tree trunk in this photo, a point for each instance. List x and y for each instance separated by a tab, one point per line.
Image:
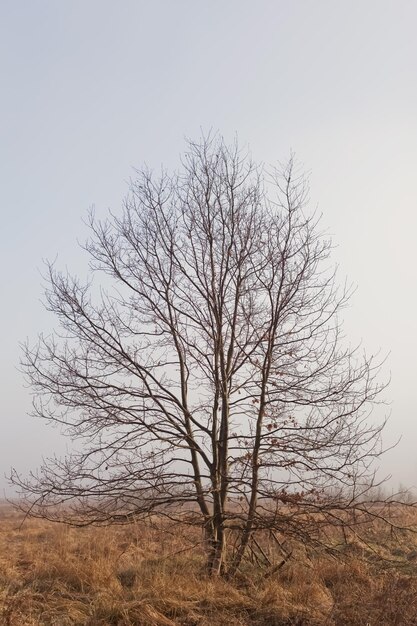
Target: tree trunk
216	561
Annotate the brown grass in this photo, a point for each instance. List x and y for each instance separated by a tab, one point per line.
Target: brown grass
54	575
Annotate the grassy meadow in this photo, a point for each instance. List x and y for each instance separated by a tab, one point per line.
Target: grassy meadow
55	575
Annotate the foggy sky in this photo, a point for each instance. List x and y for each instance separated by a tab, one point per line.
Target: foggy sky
91	89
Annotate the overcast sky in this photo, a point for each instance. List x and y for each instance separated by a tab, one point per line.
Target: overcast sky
93	88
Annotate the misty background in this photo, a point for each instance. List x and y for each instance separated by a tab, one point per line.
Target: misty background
91	89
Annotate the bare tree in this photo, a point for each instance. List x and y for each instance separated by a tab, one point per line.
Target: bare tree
209	375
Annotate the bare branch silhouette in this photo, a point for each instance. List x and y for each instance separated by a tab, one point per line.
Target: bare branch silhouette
208	377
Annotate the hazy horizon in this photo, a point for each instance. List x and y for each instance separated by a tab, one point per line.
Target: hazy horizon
94	89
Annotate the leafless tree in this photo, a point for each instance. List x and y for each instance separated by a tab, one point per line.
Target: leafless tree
205	375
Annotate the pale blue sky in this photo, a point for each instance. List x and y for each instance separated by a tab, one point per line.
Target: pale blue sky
92	88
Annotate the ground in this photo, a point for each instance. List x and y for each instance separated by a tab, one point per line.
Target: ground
55	575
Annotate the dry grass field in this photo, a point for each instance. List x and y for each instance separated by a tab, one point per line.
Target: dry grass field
54	575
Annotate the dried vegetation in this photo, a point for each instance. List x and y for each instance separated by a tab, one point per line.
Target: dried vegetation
55	575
